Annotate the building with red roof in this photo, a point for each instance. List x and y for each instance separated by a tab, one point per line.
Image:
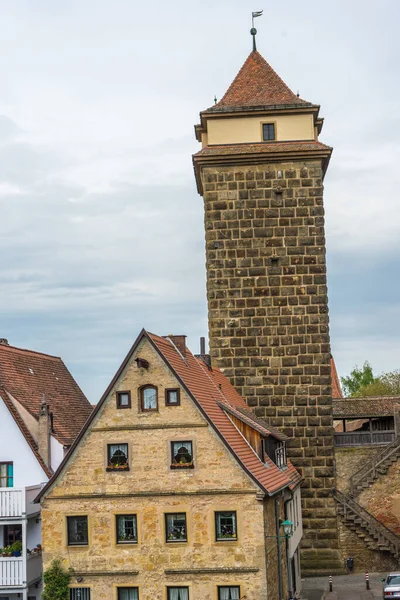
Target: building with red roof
174	488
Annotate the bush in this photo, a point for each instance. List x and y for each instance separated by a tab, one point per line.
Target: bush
56	581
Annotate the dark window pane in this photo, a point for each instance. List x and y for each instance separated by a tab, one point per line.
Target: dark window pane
12	533
79	594
182	453
178	593
268	131
128	593
229	592
126	529
77	531
176	527
226	525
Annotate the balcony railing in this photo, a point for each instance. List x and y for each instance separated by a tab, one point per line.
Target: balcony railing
16	503
11	572
364	438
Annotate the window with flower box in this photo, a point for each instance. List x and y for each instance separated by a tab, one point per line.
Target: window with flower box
175	527
182	455
225	526
117	457
77	528
126	529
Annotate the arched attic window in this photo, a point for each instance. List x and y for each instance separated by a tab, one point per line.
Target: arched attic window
148	398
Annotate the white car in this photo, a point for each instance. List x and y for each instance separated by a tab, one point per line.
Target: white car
391	586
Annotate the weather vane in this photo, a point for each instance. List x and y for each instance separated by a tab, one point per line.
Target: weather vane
253	30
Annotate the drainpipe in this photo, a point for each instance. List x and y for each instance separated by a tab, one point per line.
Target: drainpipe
278	547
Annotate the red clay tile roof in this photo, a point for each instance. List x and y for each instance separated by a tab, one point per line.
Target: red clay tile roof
336	389
27	375
358	408
261	147
209	389
25	431
257	84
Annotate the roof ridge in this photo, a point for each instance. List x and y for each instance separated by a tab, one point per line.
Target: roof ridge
23	350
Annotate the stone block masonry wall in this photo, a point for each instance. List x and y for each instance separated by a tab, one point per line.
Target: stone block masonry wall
268	319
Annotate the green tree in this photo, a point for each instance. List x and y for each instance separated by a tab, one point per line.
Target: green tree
387	384
56	580
358	378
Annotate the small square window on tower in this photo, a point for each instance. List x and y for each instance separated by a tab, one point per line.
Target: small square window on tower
268	131
123	399
172	397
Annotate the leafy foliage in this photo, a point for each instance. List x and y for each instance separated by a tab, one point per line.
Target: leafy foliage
56	580
362	383
358	378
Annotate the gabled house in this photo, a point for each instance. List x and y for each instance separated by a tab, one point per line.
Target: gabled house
42	410
173	489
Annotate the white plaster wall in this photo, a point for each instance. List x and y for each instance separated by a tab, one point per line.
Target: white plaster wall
33	533
56	452
14	448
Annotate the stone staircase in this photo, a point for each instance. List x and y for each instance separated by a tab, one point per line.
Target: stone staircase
376	466
374	534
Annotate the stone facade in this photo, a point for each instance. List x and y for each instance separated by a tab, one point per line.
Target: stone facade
268	318
150	489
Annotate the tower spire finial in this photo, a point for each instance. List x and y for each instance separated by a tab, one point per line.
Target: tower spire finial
253	30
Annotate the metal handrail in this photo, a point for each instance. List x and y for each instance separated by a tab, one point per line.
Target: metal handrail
373	462
361	512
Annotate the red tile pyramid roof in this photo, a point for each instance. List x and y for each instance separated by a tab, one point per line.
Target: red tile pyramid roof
257	84
336	389
212	393
27	375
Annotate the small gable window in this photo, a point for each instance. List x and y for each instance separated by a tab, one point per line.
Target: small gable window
172	397
225	526
123	399
182	455
77	531
175	526
268	131
117	457
6	474
127	529
148	398
276	450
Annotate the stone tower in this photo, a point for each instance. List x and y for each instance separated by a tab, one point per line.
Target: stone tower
260	172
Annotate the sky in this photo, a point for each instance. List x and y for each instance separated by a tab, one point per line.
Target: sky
101	226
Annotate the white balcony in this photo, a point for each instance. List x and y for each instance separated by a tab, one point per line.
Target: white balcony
17	503
11	572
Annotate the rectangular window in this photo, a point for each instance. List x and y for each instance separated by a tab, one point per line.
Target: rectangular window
280	455
77	532
117	457
177	593
128	593
175	527
268	131
228	592
127	529
6	474
181	455
123	399
12	533
172	397
225	526
79	593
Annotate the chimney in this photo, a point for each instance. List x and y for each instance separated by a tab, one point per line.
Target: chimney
3	342
206	358
180	343
44	432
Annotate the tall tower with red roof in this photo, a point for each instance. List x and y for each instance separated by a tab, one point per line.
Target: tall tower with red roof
260	172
